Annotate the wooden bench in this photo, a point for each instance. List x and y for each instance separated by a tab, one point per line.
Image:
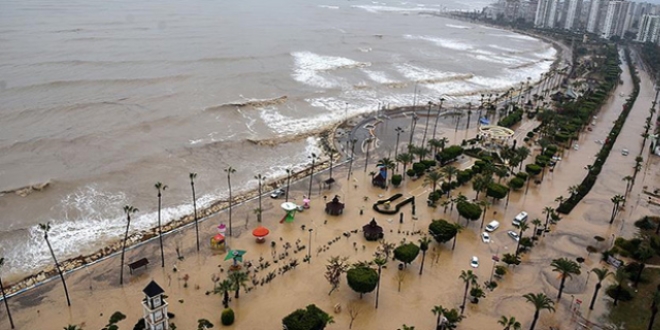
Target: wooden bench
137	264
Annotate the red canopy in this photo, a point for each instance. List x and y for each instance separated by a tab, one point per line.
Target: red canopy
218	238
260	231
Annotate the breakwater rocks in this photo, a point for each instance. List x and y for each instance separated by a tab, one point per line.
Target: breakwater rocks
25	191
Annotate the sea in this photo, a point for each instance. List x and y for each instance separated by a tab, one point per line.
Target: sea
102	99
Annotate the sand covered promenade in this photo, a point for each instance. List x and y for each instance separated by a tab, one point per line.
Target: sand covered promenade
96	293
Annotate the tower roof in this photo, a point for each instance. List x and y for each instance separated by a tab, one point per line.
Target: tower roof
153	289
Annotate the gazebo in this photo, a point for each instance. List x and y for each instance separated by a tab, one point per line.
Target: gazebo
372	231
334	207
260	233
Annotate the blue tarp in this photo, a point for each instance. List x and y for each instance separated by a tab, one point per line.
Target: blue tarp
484	121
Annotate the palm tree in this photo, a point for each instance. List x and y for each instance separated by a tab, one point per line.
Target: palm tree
311	175
426	127
509	323
4	298
459	229
437	116
437	310
72	327
480	183
432	178
160	187
223	288
192	185
616	200
404	158
573	190
628	180
523	226
522	154
230	170
449	171
434	144
238	279
424	246
443	143
128	209
484	204
468	278
540	302
332	152
46	228
398	130
560	200
536	222
601	274
380	262
260	179
548	210
387	163
566	268
288	183
619	277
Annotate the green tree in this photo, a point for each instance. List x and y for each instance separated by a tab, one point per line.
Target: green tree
203	324
380	262
566	268
536	222
4	297
405	159
128	209
522	153
496	191
46	228
548	210
310	318
601	274
619	277
362	279
442	230
449	172
655	300
511	259
469	211
72	327
238	280
192	177
223	288
459	229
480	183
160	188
230	170
540	302
406	253
468	278
509	323
616	200
423	246
432	178
522	227
531	170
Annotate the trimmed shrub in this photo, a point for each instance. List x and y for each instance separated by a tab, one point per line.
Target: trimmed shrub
516	183
410	172
429	163
406	253
463	176
468	210
533	169
362	279
496	190
227	317
396	179
442	231
522	175
419	168
310	318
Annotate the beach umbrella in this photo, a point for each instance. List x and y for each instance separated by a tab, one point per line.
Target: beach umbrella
290	209
260	232
236	255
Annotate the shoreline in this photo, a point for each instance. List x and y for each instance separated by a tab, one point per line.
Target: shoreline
327	137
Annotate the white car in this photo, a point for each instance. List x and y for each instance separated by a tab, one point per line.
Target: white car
474	262
485	237
513	235
491	226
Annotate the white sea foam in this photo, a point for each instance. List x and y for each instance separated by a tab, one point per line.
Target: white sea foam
310	68
418	73
328	7
442	42
380	8
456	26
514	36
379	76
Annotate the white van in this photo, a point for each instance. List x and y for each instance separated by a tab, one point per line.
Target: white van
491	226
520	218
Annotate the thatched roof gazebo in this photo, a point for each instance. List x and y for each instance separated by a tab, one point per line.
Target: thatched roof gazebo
372	231
334	207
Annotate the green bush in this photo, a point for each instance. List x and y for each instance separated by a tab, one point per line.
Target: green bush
500	270
429	163
516	183
396	179
468	210
496	190
512	119
450	153
530	134
624	293
463	176
362	279
227	317
419	168
533	169
522	175
310	318
442	231
410	172
406	253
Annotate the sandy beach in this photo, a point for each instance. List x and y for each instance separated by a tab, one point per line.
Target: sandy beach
96	294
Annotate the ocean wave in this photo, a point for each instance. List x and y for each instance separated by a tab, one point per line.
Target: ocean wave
427	76
379	76
379	9
442	42
80	83
514	36
455	26
309	67
256	103
328	7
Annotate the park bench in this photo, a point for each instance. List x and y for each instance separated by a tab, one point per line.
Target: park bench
137	264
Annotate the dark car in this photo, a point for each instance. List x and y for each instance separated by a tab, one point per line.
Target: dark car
277	193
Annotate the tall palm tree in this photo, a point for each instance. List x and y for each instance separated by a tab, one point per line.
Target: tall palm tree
311	175
459	229
432	178
223	288
230	170
449	171
601	274
4	298
332	152
437	310
628	180
522	227
443	143
509	323
560	200
404	158
484	204
480	183
536	222
193	176
468	278
434	144
380	262
288	183
46	228
424	246
426	127
387	162
616	200
566	268
128	209
548	210
398	130
238	280
573	190
540	302
522	154
260	179
160	187
437	116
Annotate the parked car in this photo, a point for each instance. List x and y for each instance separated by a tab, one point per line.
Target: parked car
485	237
624	152
474	262
277	193
513	235
491	226
520	218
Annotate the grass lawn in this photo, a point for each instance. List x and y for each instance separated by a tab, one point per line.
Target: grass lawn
635	314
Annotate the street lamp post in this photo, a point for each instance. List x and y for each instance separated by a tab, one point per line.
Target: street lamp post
398	130
311	177
435	126
492	271
309	249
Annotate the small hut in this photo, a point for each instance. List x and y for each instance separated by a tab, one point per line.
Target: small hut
372	231
334	207
380	179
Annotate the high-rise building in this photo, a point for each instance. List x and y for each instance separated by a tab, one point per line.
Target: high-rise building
572	16
615	18
546	14
594	15
649	29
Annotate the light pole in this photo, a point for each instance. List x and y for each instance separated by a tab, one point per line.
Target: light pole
492	271
435	126
311	176
426	127
398	130
309	250
366	159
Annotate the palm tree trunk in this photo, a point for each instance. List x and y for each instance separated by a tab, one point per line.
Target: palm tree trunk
238	290
536	317
4	298
225	300
331	158
639	274
288	184
160	234
467	286
561	287
59	270
453	245
230	200
593	299
192	184
123	251
654	311
421	268
378	287
260	193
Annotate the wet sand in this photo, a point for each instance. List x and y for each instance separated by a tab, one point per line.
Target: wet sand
95	292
